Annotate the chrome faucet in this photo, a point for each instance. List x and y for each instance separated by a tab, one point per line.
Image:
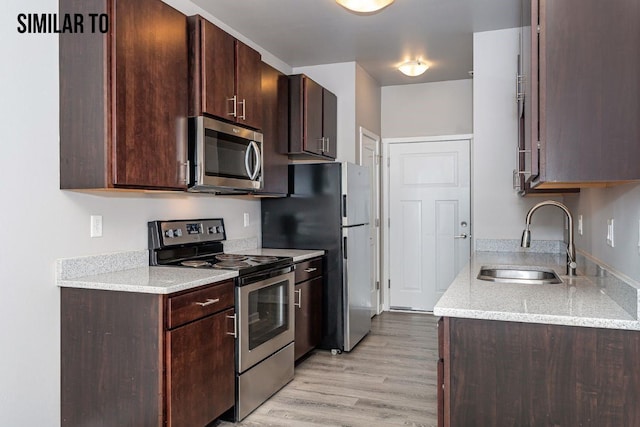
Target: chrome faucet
571	248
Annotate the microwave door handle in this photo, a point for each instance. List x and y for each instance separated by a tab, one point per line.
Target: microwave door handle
256	152
247	155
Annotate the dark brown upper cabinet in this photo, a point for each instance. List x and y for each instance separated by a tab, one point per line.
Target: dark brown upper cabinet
583	94
275	131
313	119
123	98
225	75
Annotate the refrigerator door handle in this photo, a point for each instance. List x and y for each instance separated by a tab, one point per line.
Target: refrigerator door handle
344	205
345	247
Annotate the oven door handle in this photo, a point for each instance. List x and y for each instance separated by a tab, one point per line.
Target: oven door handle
263	276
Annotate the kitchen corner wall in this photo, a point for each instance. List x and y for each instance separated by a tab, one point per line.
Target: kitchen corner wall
498	212
597	205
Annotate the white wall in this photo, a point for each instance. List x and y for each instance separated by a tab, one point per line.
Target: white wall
498	212
340	79
41	223
597	205
427	109
368	102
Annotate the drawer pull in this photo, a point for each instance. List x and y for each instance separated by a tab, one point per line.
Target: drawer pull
235	326
209	301
310	270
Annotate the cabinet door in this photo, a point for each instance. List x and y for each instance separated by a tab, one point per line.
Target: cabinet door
248	86
200	370
329	123
218	71
312	112
275	129
150	95
308	316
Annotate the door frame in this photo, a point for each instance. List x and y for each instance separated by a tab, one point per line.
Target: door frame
362	133
384	197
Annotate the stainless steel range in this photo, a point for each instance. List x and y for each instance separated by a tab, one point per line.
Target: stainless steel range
264	303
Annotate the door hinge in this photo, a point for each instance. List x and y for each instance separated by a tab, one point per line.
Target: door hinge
389	222
389	284
378	157
377	222
388	161
377	285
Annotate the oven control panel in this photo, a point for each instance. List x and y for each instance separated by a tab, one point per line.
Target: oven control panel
180	232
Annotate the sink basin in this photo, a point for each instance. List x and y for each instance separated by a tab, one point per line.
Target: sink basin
524	275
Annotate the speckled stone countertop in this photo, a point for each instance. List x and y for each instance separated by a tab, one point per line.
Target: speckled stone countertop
151	280
297	254
130	272
577	301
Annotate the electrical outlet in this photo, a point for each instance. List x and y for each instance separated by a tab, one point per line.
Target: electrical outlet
96	226
580	225
246	219
610	233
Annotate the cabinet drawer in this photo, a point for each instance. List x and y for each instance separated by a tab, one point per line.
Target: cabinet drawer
194	305
306	270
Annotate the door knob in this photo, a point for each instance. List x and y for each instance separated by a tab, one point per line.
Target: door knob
462	236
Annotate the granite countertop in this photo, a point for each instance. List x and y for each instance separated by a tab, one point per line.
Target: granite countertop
297	254
150	280
130	272
578	301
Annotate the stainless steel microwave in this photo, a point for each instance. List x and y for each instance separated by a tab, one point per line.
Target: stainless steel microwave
223	157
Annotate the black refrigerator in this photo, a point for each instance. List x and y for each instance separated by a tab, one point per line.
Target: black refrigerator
328	208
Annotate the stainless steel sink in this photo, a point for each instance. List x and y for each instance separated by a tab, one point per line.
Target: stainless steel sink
518	274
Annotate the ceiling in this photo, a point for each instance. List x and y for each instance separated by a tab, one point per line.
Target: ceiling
312	32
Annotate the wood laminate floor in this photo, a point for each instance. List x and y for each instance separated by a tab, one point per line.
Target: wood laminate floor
389	379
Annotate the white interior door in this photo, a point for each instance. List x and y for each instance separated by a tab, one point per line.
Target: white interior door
429	220
370	156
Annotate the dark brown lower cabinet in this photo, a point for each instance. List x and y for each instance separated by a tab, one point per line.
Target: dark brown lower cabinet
136	359
199	379
308	316
523	374
308	305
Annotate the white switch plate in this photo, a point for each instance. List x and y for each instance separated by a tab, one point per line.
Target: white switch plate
96	226
580	225
246	219
610	233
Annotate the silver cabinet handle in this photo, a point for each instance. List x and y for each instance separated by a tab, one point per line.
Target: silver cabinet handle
299	303
185	166
327	150
462	236
244	109
235	326
234	113
310	270
209	301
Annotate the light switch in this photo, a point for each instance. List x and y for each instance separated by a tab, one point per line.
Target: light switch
96	226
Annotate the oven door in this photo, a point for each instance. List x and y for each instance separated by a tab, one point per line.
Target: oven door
265	318
227	156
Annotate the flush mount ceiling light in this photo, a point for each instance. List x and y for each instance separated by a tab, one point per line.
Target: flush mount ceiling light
364	6
413	68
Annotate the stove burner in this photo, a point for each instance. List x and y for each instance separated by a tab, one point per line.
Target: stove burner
263	258
231	264
195	263
230	257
